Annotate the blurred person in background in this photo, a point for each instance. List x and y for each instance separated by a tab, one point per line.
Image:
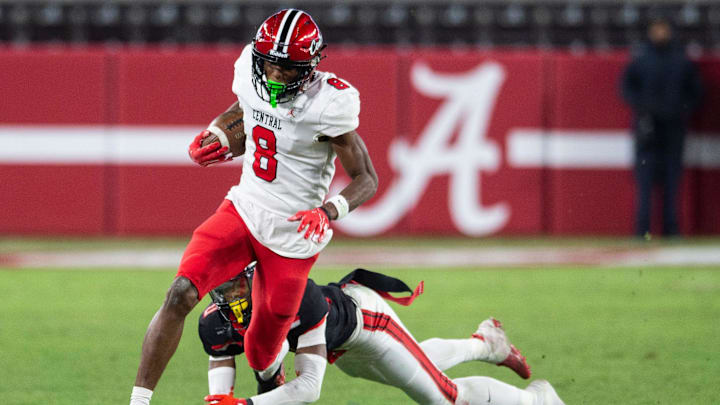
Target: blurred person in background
662	86
297	121
350	324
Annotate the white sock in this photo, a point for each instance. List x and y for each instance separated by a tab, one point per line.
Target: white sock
447	353
140	396
221	380
486	390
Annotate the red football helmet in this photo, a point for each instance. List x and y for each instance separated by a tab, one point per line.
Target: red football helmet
291	39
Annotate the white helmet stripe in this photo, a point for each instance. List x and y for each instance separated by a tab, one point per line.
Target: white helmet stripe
281	30
288	38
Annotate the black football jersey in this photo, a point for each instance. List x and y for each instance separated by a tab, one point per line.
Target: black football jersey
222	338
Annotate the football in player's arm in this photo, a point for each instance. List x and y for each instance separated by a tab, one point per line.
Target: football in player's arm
349	324
222	141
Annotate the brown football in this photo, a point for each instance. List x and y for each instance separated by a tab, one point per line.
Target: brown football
231	122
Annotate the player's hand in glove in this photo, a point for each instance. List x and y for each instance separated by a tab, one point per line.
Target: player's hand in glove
315	220
223	399
208	154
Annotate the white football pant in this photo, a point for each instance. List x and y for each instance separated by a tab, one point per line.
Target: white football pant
381	349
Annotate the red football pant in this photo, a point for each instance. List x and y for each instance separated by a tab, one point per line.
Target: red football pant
220	248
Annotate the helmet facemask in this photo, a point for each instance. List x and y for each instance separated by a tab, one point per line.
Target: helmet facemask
290	39
234	297
275	92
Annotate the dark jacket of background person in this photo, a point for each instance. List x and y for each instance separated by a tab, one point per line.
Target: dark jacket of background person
662	82
662	87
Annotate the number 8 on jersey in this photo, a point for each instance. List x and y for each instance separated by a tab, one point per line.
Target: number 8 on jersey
264	164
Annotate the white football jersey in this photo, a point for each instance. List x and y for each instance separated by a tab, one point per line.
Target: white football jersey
288	162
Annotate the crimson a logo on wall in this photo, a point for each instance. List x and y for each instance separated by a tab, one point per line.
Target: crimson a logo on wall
468	103
455	142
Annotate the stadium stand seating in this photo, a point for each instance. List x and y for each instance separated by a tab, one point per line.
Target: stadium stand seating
549	23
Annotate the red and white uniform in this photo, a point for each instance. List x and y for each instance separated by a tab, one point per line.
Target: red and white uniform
288	162
287	167
382	349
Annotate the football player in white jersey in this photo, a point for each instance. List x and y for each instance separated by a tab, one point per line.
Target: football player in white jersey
350	324
297	120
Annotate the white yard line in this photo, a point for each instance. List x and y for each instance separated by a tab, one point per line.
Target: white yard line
394	257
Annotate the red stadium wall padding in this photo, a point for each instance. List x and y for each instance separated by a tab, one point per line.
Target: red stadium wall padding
464	141
169	199
50	86
707	121
64	199
54	86
586	96
708	218
586	92
171	87
174	87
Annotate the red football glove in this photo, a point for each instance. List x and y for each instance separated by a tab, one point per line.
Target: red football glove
225	399
208	154
316	221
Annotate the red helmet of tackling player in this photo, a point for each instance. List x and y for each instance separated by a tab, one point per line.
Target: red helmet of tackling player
292	40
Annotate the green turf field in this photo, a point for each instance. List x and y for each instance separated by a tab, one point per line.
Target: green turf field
601	336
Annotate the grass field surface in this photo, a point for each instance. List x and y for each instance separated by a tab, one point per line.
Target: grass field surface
79	243
601	336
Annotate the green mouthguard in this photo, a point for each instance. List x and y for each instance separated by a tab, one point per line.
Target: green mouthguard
274	88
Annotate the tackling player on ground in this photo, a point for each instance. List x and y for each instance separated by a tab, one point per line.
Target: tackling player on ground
349	324
297	120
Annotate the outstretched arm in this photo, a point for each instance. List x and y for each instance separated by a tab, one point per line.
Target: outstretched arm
221	375
310	364
355	159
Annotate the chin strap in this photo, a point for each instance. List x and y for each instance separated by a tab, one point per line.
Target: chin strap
275	89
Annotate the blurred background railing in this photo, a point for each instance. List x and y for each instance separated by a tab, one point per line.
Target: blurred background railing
547	23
